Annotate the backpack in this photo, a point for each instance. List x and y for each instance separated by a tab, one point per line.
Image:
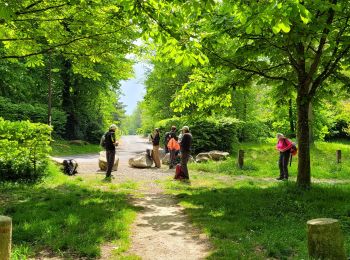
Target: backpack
70	167
103	141
294	149
178	172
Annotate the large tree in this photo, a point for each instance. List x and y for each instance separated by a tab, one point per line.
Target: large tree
300	44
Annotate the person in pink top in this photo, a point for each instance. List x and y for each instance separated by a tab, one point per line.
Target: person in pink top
283	146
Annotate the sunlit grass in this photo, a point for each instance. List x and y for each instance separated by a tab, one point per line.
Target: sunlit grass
68	216
258	218
62	148
261	160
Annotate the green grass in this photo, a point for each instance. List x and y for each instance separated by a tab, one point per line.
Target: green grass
261	160
259	219
68	216
62	148
249	215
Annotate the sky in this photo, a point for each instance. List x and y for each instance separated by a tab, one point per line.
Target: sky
133	89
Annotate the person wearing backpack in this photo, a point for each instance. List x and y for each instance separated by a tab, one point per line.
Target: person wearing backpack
155	141
284	146
185	148
110	144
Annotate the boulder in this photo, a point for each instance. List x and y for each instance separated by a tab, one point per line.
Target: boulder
191	159
141	161
166	159
203	157
218	155
102	162
161	153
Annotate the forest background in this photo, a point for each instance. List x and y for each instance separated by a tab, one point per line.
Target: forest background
232	71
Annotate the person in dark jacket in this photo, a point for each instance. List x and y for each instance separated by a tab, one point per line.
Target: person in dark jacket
111	143
155	152
185	148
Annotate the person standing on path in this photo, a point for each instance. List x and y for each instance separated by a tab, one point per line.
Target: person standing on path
172	146
185	148
155	141
284	146
111	143
168	136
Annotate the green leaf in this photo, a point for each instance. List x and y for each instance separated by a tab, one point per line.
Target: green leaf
276	29
284	26
249	29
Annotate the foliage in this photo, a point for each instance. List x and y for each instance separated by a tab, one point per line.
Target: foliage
130	124
36	113
89	213
78	48
24	147
208	133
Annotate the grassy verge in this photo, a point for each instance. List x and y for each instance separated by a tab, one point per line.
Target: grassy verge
66	216
258	219
62	148
261	160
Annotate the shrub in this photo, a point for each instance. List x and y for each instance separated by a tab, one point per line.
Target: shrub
208	133
24	148
36	113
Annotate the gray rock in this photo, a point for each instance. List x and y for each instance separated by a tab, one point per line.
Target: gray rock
140	161
102	162
218	155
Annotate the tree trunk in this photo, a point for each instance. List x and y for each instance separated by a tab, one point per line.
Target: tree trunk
304	172
291	121
67	103
311	127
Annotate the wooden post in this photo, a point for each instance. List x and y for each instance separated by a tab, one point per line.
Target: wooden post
325	239
5	237
240	158
338	156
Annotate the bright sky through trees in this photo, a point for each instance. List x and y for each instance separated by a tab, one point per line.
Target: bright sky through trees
133	89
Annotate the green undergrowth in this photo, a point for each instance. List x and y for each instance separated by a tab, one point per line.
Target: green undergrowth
62	148
261	160
248	218
69	217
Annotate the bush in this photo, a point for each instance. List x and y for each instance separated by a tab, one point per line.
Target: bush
36	113
24	148
208	133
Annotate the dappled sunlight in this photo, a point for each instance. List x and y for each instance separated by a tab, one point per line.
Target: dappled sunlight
244	216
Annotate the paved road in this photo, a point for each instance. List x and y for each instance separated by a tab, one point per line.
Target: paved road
129	145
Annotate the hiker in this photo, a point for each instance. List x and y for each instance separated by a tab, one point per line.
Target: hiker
284	146
174	148
155	152
111	143
185	148
168	136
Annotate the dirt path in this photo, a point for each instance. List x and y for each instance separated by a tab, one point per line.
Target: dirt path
161	229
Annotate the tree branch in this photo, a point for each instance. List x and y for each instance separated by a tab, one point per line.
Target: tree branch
327	71
60	45
40	10
323	39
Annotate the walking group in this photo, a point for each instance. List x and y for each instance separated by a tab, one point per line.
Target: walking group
178	147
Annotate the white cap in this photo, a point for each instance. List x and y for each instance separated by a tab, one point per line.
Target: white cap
113	126
186	128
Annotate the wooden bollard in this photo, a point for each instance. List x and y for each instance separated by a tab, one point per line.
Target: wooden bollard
325	239
5	237
240	160
338	156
